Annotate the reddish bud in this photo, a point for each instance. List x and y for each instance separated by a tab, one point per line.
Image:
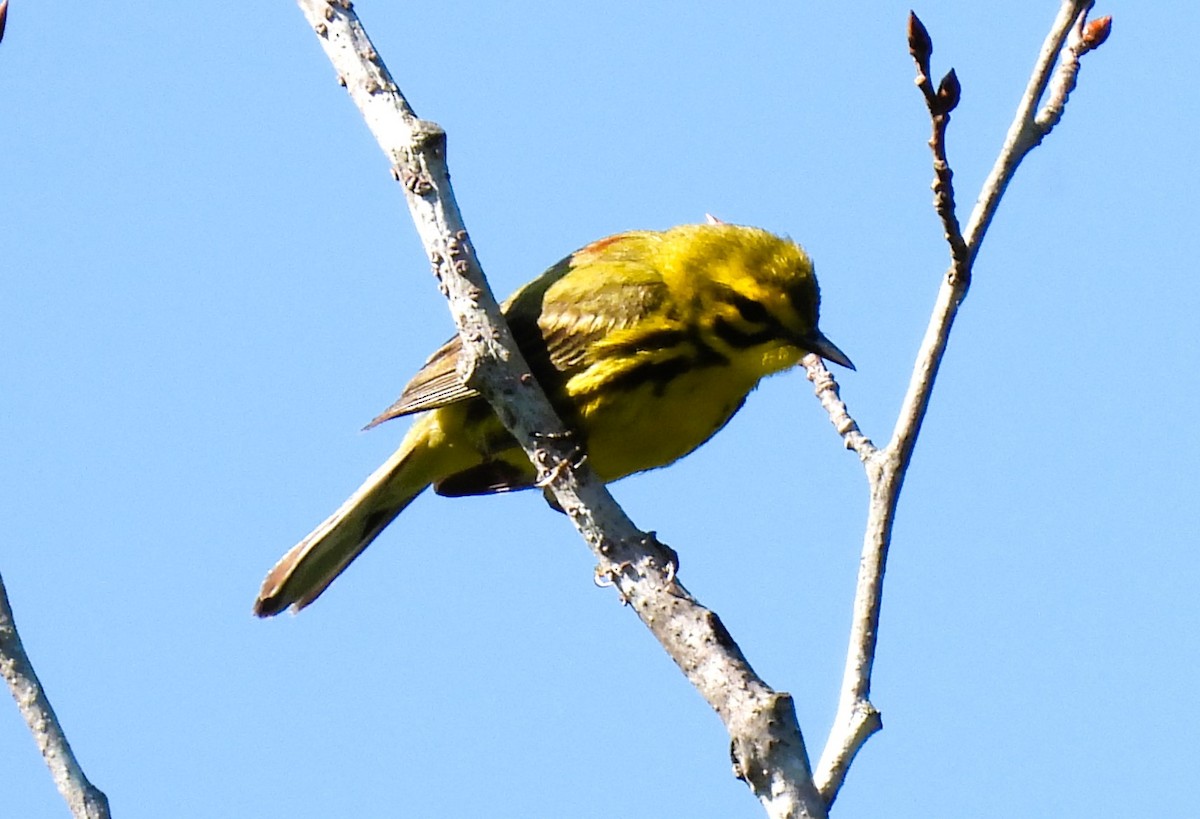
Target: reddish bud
1096	32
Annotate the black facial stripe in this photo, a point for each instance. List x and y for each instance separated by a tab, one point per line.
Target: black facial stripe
752	311
804	298
706	354
741	339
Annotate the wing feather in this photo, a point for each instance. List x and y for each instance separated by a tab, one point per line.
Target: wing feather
556	320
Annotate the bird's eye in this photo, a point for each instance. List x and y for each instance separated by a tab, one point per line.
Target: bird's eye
751	310
804	299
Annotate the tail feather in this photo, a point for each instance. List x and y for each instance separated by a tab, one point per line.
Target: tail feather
312	564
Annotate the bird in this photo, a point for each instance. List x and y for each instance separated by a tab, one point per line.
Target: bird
645	342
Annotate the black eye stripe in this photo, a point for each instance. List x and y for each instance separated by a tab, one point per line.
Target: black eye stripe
740	339
804	298
750	310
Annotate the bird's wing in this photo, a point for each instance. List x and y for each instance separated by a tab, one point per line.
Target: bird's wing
556	319
435	385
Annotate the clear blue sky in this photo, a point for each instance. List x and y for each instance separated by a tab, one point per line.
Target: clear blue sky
211	282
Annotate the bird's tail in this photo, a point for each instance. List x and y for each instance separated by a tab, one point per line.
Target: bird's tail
312	564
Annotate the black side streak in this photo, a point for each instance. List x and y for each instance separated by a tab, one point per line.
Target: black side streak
658	373
656	340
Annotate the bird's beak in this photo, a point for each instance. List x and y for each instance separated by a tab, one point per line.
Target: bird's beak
817	343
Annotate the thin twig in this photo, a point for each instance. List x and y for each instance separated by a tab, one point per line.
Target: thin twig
857	718
768	749
825	386
940	103
1026	133
85	800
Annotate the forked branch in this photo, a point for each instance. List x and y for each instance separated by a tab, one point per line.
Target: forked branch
768	749
1071	36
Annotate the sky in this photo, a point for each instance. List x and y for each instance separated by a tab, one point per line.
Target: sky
210	283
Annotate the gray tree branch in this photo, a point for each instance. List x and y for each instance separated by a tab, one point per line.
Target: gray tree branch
767	746
85	800
857	718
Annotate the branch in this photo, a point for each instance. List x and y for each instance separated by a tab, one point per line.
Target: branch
767	746
85	800
940	103
857	718
828	393
1031	126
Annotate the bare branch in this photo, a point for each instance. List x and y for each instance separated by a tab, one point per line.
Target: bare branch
826	388
1025	133
85	800
1082	38
940	103
857	718
768	748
